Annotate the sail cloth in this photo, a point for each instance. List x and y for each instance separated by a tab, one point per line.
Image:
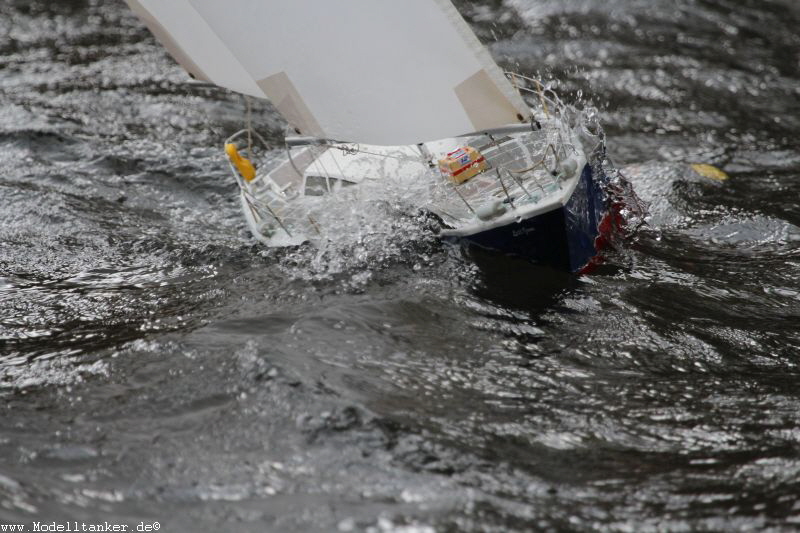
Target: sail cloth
388	72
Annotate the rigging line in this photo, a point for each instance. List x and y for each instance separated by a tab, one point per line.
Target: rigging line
236	176
510	201
318	161
315	225
519	182
360	151
291	162
542	161
242	132
501	151
539	184
253	210
249	118
336	162
291	159
516	85
555	154
528	78
541	99
250	198
509	151
527	169
564	145
455	188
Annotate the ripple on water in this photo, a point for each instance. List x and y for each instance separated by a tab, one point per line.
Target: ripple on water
153	357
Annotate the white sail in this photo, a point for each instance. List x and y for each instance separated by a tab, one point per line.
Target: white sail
387	72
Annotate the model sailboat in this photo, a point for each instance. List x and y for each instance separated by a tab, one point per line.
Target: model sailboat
400	91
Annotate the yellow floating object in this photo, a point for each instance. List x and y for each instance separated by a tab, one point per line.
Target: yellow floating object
242	164
710	171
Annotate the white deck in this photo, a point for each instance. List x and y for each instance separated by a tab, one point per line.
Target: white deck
284	206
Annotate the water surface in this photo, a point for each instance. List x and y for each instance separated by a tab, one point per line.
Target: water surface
157	364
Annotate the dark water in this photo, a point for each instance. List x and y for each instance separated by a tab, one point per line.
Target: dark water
157	365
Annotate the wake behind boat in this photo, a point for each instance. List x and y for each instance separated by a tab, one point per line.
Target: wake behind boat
398	94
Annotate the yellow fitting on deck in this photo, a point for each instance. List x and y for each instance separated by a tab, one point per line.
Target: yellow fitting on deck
242	164
709	171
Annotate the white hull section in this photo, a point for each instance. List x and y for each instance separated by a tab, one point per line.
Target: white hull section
529	173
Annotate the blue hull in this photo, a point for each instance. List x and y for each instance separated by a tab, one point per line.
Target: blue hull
565	238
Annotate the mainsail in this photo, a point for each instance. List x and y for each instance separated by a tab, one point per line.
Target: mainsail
389	72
